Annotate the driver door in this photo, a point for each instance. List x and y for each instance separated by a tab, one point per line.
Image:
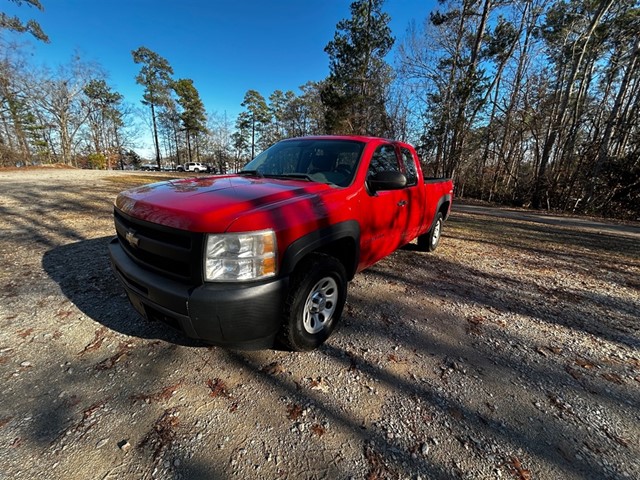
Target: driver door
384	212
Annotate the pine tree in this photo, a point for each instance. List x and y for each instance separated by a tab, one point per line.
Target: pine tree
257	115
16	25
155	76
356	89
193	116
104	117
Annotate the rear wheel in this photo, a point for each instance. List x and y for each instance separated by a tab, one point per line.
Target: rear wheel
430	240
316	298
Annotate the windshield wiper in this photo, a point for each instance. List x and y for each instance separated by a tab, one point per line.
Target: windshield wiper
251	173
300	176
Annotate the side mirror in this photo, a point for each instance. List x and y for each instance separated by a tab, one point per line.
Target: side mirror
388	180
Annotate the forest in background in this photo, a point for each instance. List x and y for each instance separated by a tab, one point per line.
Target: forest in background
529	102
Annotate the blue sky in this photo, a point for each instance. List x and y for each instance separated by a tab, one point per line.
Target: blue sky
226	47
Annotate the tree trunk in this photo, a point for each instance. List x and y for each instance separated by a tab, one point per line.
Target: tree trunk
155	134
558	122
603	150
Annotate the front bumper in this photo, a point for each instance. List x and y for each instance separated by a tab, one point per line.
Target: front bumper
232	315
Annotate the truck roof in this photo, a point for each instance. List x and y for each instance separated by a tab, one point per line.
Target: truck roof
359	138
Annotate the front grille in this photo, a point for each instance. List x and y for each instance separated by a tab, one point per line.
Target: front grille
165	250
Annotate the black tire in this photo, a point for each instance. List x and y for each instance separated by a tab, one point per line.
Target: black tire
196	170
430	240
317	293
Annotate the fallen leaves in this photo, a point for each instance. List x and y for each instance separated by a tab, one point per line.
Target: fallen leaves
163	395
4	421
163	432
88	412
218	388
574	373
584	363
560	404
475	322
515	466
613	378
62	314
25	332
89	417
546	350
318	429
378	469
96	343
294	412
318	384
273	368
110	362
392	357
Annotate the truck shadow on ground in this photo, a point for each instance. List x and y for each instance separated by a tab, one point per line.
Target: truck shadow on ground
83	272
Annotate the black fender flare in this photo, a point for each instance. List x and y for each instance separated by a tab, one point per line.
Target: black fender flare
444	199
319	240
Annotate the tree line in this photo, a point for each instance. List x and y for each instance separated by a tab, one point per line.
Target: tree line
524	102
531	102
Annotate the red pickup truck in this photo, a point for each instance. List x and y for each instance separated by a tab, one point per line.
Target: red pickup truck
265	255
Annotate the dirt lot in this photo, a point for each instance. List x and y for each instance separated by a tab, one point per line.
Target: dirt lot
511	352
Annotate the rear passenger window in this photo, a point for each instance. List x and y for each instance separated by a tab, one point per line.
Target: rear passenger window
384	160
409	167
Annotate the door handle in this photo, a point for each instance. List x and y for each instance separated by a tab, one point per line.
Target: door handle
402	203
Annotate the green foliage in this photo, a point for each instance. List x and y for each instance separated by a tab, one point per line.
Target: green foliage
193	115
285	115
14	24
131	158
155	75
532	104
255	119
104	115
521	101
95	161
355	92
99	92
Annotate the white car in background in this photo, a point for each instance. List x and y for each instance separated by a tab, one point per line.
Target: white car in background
193	167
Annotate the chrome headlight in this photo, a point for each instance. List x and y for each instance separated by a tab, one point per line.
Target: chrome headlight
238	257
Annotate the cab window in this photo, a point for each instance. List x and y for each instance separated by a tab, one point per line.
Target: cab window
384	159
409	167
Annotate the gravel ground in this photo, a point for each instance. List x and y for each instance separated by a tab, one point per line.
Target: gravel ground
511	352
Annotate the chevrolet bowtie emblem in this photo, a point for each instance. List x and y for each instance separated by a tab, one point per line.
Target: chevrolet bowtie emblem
132	239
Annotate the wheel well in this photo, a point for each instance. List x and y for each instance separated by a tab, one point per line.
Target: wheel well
444	210
344	250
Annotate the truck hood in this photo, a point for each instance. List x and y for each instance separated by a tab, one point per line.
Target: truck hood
210	204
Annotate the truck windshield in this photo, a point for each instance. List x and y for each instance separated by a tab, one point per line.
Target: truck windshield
330	161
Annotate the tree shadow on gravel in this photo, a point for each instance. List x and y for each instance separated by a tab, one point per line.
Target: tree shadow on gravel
527	235
532	420
84	275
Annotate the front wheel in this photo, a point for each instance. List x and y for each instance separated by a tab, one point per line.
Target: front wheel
314	305
430	240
